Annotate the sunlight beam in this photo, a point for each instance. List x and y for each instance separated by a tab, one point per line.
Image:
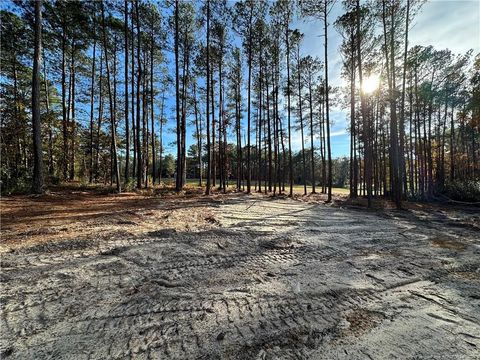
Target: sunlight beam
371	83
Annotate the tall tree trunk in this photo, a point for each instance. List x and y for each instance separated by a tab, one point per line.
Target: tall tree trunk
322	140
403	173
301	121
160	165
114	97
64	105
221	124
100	115
214	162
145	153
207	79
429	151
198	128
127	126
327	108
37	185
396	185
353	159
368	153
269	136
290	162
92	100
225	154
132	90
249	170
139	77
73	116
183	125
17	160
239	137
259	126
411	143
312	148
452	146
178	180
50	124
152	98
111	101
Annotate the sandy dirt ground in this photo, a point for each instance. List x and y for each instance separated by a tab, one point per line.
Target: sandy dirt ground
86	276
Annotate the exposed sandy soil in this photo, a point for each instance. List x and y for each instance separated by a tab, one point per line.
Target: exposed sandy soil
74	214
91	276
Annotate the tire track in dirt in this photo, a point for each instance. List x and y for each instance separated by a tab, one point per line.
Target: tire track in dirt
196	295
247	323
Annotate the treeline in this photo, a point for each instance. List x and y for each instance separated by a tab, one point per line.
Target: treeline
100	84
416	132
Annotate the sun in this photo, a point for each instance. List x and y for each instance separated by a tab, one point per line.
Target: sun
371	83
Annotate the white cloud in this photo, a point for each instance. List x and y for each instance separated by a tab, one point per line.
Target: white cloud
448	24
338	133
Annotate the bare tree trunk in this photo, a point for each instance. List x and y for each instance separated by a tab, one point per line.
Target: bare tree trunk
396	186
100	115
178	185
112	110
312	148
225	155
37	185
323	143
411	143
152	98
301	121
214	159
259	126
132	90
221	124
145	155
239	139
353	160
269	136
92	98
452	146
327	108
64	106
403	173
290	162
127	127
183	125
368	153
160	165
17	160
47	108
207	79
139	77
249	170
198	128
73	116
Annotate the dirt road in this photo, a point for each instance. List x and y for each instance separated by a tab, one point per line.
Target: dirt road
256	278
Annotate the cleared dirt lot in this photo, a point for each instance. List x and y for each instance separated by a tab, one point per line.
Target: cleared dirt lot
237	276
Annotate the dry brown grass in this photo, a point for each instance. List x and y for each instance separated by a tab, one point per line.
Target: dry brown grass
66	213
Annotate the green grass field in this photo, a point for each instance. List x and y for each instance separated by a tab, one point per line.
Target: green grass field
337	191
296	188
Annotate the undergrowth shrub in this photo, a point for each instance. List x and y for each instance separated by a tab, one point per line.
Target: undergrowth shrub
463	190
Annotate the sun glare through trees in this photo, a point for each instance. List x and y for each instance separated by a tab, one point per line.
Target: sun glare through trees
371	84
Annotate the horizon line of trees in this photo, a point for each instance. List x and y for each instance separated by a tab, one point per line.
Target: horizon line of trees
86	90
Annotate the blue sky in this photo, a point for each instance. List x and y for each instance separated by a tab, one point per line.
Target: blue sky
453	24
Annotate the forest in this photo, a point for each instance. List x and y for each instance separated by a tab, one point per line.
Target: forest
98	102
242	179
